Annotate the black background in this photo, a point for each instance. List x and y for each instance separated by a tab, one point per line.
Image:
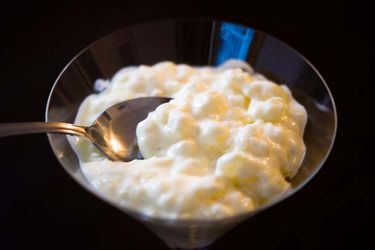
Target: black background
41	207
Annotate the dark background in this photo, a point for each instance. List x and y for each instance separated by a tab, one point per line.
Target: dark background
41	207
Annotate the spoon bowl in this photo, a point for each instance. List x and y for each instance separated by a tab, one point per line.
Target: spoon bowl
113	133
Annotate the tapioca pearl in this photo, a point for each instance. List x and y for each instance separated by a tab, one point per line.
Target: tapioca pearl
161	113
270	110
180	125
209	103
298	114
186	148
192	167
155	188
213	136
99	105
203	75
295	153
167	201
209	191
121	83
184	72
272	184
249	140
255	89
233	79
288	94
122	76
275	133
245	203
262	182
145	177
278	153
258	146
151	80
263	90
189	90
292	148
144	69
156	92
239	167
148	126
136	84
274	109
148	137
86	150
250	130
250	175
237	115
238	100
100	85
171	87
254	108
300	156
164	70
291	125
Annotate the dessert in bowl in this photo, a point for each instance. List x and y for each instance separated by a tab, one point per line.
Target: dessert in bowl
221	149
222	146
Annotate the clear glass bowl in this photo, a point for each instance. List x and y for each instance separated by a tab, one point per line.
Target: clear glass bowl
194	42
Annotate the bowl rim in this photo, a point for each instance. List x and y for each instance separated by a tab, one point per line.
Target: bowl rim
236	217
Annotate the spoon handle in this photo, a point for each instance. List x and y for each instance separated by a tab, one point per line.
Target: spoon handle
8	129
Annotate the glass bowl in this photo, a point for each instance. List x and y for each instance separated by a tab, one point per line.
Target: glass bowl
195	42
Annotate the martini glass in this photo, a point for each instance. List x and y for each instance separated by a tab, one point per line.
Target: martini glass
195	42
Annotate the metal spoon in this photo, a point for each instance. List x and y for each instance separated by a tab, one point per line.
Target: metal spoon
113	133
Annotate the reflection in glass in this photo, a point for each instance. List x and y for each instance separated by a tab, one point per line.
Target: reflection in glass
233	41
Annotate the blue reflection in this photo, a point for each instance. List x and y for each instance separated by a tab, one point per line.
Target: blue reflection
234	42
